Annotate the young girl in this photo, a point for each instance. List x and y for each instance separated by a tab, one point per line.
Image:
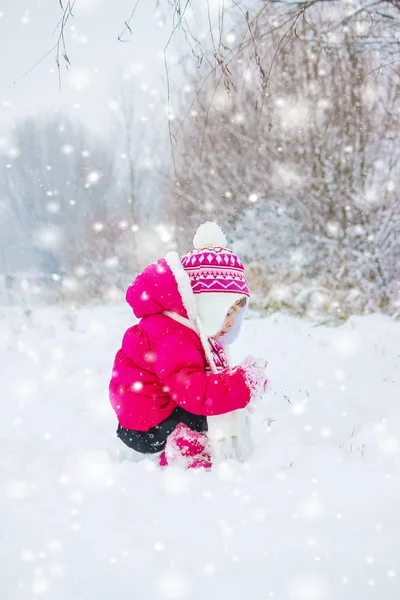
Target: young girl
171	380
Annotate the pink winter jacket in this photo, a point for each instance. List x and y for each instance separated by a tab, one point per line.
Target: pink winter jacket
162	363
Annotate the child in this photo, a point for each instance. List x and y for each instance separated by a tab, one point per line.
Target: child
171	378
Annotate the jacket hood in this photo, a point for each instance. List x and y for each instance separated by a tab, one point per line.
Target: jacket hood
165	286
162	286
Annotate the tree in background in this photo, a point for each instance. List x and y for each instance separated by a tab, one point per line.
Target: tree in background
61	206
298	172
55	178
68	209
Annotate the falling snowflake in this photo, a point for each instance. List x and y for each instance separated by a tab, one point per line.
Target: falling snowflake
67	149
79	79
93	177
165	234
18	490
346	343
173	586
40	586
309	587
27	556
332	229
53	207
14	152
390	186
159	546
48	237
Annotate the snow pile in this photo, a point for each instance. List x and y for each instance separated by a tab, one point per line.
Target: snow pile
312	516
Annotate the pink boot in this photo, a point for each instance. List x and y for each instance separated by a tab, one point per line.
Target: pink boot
186	448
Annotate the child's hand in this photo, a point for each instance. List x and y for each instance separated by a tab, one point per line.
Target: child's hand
255	377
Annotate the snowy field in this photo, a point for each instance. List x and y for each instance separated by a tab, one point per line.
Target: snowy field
313	516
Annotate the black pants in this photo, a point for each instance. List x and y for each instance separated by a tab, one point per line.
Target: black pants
153	440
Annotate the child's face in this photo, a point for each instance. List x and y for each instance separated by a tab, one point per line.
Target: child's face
230	319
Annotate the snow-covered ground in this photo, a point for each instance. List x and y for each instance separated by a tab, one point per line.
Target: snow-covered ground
314	515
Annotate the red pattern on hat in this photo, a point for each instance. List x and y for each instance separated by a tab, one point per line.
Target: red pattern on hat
216	270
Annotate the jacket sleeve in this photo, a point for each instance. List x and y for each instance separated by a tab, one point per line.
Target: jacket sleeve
180	367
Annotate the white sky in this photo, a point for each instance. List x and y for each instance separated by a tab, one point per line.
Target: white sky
97	57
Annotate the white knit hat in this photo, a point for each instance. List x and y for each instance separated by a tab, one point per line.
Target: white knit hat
216	275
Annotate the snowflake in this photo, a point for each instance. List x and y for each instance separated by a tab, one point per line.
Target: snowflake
57	571
87	5
210	569
80	271
67	149
299	408
27	556
371	195
25	389
389	445
164	233
112	262
159	546
135	68
18	490
40	586
150	357
346	343
326	432
79	79
332	229
297	257
308	588
323	103
53	207
70	284
98	227
173	586
390	186
93	177
279	292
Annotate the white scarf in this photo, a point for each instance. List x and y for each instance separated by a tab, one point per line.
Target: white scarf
229	434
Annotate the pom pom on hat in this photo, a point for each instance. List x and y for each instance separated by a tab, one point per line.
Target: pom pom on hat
209	235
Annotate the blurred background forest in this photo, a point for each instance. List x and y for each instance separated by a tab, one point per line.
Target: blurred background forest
280	120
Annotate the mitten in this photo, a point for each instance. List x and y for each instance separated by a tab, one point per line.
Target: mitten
254	373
